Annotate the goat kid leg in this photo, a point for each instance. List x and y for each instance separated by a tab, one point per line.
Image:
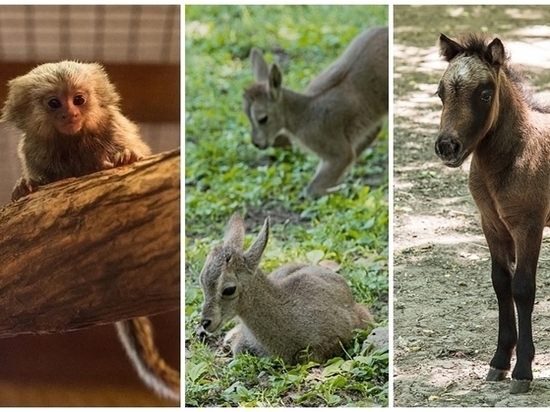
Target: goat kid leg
330	172
242	340
502	251
369	137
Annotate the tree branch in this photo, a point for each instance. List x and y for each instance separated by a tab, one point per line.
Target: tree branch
92	250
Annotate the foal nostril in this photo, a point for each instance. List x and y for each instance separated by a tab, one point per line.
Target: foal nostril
447	148
206	323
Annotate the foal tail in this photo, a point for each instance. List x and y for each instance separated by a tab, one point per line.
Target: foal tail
136	336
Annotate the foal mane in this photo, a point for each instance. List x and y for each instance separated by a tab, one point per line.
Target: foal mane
526	89
476	45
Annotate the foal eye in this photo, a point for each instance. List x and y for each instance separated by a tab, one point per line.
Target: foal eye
229	291
486	96
262	120
439	91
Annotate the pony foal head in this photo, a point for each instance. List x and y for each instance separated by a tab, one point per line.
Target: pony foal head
469	91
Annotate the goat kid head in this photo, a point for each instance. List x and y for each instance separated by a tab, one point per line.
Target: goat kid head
228	272
264	105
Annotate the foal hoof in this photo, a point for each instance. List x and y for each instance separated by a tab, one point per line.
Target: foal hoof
519	386
495	375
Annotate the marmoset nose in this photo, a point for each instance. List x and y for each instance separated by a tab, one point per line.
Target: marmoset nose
70	114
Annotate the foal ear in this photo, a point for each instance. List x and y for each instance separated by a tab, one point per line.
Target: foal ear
495	53
448	49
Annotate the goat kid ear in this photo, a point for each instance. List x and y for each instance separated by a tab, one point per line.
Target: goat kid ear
495	53
448	49
254	253
259	66
234	234
275	81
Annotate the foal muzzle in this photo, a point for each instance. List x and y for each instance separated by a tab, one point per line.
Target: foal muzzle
449	149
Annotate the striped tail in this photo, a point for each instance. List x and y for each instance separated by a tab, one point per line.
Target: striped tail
136	336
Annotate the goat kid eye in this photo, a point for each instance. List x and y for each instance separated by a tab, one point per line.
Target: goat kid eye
262	120
229	291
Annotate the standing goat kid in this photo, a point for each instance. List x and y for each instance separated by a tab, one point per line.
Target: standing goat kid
297	308
338	116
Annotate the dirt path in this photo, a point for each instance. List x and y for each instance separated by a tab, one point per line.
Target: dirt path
445	313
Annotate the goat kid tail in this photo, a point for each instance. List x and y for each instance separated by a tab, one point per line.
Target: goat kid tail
136	336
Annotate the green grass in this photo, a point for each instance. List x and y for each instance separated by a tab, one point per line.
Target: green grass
225	173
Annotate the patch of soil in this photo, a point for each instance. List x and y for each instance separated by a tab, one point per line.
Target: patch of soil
445	311
278	214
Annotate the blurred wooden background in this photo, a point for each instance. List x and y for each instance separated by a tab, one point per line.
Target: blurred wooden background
140	49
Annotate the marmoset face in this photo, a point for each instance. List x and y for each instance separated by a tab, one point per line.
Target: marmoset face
67	110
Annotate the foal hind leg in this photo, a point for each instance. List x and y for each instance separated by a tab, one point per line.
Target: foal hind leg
502	248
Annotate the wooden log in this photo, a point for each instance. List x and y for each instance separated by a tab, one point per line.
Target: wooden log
92	250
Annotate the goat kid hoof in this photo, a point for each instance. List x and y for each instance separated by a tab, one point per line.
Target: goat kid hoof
201	333
519	386
336	188
495	375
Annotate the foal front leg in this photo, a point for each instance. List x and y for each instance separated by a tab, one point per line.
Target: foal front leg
502	251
